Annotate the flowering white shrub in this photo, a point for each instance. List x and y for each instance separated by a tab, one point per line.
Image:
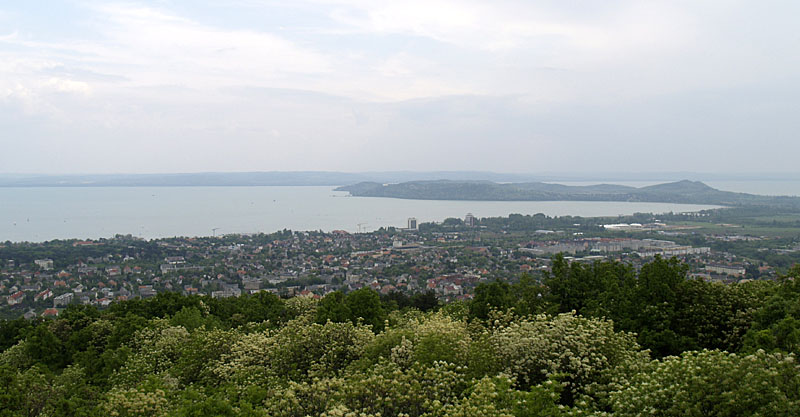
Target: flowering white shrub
200	354
299	399
16	356
420	365
583	350
156	350
496	396
383	389
299	351
389	390
712	383
130	402
305	307
424	339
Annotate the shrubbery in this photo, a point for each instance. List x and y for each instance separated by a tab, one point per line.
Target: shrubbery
513	351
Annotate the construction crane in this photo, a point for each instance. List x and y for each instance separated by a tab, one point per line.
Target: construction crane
214	231
360	226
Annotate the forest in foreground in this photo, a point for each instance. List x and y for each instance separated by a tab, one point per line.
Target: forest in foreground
599	339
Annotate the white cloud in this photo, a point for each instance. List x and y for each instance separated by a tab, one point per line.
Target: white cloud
151	46
68	86
9	37
358	84
507	25
168	49
148	46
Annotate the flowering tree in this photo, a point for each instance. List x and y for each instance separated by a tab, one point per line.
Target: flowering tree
712	383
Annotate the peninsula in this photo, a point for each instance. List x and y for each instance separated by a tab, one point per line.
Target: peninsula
686	192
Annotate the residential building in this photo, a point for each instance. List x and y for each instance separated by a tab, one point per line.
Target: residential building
470	220
46	264
16	298
63	299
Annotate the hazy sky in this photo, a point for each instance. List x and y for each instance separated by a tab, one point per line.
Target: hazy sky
357	85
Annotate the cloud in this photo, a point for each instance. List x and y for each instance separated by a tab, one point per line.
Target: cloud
506	25
9	37
67	86
354	85
136	46
166	48
144	41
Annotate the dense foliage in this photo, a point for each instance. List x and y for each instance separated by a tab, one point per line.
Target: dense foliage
595	339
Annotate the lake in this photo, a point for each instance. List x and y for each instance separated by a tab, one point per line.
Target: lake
39	214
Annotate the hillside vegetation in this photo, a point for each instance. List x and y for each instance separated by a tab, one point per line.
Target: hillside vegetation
686	192
596	339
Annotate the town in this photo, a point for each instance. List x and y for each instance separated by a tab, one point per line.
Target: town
447	259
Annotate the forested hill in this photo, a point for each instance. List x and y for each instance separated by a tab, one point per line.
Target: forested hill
689	192
598	339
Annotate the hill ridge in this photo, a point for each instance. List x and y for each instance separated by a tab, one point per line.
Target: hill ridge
683	191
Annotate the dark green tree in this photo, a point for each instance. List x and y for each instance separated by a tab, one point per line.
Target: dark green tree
333	307
366	304
493	296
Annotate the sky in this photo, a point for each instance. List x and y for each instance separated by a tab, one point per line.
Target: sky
423	85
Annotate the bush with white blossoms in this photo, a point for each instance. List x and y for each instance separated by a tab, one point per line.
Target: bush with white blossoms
156	350
174	352
286	359
389	390
424	339
300	399
147	399
305	307
584	350
298	352
16	356
497	397
712	383
200	353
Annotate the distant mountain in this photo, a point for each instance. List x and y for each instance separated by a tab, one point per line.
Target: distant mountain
538	182
296	178
687	192
189	179
684	186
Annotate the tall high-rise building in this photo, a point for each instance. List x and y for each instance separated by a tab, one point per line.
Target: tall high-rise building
412	223
470	220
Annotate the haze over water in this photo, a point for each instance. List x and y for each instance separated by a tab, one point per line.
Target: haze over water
39	214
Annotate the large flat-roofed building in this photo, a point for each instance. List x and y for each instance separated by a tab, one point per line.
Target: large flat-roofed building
470	220
46	264
732	270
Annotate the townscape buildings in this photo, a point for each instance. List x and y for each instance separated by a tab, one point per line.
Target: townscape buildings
447	262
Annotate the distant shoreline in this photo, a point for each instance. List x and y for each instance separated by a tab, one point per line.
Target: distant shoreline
40	214
684	192
336	179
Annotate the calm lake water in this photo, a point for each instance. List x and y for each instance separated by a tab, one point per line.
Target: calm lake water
39	214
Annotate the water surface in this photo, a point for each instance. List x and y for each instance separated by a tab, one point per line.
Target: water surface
39	214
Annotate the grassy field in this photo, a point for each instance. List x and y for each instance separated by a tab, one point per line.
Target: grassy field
780	229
